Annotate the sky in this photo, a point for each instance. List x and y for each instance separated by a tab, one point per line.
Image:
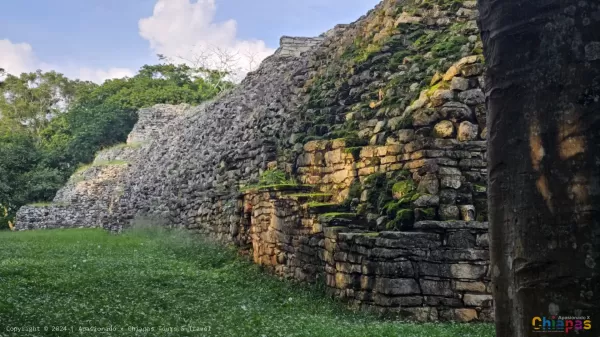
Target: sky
100	39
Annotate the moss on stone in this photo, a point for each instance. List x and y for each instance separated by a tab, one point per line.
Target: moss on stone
354	151
403	188
370	234
339	215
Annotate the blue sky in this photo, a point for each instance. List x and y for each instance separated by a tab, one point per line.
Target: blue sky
98	39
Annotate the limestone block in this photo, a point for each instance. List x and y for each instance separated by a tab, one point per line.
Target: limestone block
429	184
469	286
380	126
433	287
425	117
460	315
390	269
441	96
397	286
408	239
467	212
484	133
427	200
467	131
451	73
467	271
459	83
456	111
460	255
407	18
461	239
477	300
472	70
451	181
449	212
444	129
472	97
395	301
406	135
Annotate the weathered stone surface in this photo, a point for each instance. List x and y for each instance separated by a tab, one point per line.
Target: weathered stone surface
427	201
440	288
439	97
592	51
424	117
459	83
472	97
443	129
449	212
423	225
395	286
470	286
477	300
467	131
461	239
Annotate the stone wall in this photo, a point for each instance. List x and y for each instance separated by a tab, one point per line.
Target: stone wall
443	147
438	270
88	198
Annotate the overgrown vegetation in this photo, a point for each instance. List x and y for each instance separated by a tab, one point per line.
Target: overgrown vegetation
391	197
166	279
51	125
273	178
412	52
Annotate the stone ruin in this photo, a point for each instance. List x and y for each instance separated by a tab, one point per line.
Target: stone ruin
380	123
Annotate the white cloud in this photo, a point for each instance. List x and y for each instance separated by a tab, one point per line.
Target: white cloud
185	31
101	75
17	58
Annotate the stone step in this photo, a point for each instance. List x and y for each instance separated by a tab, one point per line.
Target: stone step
341	219
434	225
324	207
304	198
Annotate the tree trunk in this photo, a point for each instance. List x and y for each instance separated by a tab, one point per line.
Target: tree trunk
543	96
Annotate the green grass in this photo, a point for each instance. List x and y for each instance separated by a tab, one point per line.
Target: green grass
156	278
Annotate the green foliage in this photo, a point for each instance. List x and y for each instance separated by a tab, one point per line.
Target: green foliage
391	196
449	45
274	177
155	277
363	54
404	217
403	188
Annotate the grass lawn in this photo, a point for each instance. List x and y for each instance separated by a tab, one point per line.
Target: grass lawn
153	279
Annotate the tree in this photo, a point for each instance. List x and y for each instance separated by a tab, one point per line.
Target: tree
543	96
34	98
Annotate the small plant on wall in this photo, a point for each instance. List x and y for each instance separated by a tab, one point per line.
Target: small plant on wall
272	178
275	177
